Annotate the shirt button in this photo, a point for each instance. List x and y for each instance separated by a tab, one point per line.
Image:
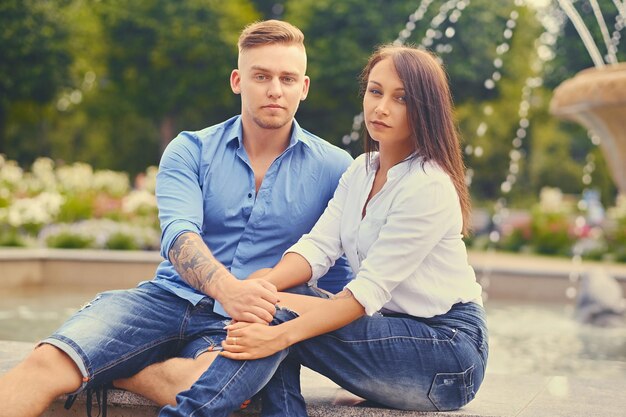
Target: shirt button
249	195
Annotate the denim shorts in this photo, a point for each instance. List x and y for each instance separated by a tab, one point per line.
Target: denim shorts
120	332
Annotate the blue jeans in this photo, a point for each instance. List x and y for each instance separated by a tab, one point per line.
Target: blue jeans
121	332
396	361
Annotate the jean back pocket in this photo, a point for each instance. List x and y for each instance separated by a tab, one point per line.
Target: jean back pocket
451	391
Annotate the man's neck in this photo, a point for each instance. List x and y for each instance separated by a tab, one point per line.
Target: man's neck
260	142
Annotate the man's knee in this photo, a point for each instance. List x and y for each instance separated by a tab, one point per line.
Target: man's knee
50	364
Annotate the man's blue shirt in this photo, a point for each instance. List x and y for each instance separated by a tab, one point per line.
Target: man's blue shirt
206	185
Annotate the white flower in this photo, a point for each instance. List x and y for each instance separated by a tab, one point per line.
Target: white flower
111	182
75	178
41	209
43	175
551	200
150	179
11	173
139	200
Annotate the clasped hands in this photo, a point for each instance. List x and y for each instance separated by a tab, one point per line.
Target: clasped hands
251	303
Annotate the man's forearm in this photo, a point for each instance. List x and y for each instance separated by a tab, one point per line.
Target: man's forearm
196	265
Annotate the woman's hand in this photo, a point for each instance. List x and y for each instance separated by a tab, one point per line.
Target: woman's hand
252	341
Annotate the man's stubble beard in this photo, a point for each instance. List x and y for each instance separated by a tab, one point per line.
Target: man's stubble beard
271	124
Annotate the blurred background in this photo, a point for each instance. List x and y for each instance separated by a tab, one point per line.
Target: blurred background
92	91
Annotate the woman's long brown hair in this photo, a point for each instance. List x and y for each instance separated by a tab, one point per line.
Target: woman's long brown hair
429	112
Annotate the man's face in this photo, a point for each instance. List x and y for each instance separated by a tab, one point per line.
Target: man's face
271	80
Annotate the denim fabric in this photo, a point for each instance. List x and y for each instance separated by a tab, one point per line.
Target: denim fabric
397	361
228	383
120	332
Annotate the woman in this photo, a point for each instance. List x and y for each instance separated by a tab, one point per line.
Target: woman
409	331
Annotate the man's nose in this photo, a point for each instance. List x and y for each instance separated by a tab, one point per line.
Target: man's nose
275	89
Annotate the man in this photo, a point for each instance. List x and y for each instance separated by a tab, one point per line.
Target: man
232	198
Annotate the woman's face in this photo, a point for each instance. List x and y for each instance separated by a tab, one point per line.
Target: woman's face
384	106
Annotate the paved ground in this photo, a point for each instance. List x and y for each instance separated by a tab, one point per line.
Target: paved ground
500	396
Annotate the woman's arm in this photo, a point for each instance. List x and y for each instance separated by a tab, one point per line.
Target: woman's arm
292	270
317	316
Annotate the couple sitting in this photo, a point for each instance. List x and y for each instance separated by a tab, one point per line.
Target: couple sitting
408	331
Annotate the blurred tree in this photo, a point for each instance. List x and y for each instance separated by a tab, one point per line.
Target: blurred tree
35	60
110	83
341	35
270	9
172	60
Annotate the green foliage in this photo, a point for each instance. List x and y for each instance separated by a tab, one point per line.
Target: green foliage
171	58
69	240
121	241
616	239
35	58
550	233
111	82
10	237
76	207
515	241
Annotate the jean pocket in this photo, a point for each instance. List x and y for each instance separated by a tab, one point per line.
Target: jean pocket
451	391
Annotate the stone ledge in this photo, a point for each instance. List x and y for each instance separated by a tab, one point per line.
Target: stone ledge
510	276
500	396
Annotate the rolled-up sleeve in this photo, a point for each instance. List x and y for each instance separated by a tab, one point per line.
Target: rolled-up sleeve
415	224
178	192
322	246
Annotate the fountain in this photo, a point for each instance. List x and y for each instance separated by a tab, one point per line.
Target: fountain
596	97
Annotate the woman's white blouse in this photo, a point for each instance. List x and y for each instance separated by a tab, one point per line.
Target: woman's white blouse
406	253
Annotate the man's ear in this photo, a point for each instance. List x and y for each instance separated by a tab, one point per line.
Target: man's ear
235	81
305	88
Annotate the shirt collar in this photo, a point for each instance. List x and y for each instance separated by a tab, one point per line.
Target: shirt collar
398	169
235	132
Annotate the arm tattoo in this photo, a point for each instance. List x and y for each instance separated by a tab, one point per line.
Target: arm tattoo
190	258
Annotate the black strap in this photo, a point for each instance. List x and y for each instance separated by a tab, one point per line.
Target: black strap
70	401
101	394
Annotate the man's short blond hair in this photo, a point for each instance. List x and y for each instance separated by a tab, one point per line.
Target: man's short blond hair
268	32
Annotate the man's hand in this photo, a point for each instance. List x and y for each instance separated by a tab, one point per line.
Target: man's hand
251	300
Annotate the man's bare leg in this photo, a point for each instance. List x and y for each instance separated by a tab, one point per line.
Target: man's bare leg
162	381
29	388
